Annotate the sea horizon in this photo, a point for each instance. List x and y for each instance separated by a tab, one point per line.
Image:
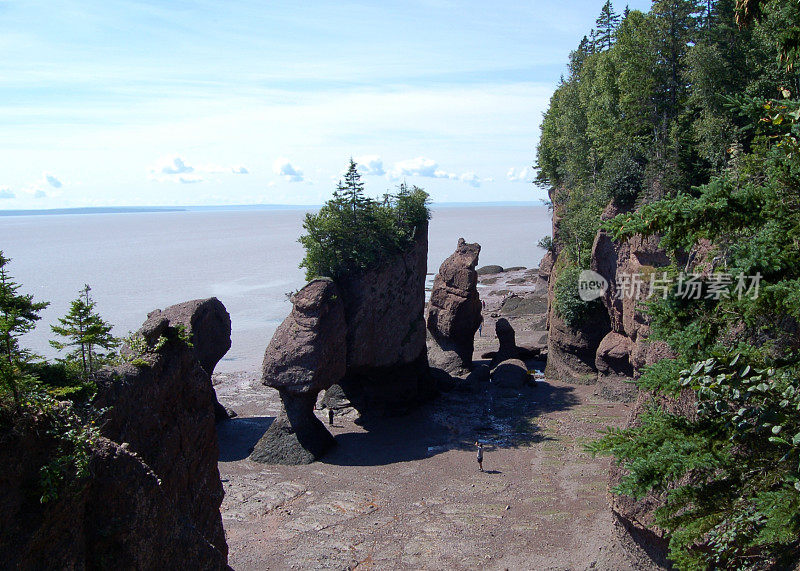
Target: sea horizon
150	209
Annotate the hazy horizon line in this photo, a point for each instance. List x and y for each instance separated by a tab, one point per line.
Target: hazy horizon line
223	207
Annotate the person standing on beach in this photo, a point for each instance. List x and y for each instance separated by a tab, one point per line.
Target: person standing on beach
480	455
330	416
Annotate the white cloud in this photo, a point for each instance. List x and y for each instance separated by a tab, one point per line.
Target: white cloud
39	193
470	178
429	168
282	167
6	193
419	166
371	165
176	169
52	181
174	165
523	175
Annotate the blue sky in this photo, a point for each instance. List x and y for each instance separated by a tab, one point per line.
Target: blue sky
246	102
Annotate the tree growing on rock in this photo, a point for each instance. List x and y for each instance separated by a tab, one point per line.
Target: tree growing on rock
353	232
87	332
18	315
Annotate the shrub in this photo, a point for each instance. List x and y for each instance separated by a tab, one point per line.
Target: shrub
568	303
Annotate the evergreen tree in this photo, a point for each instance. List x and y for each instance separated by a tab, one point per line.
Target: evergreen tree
87	332
18	315
607	22
352	232
351	189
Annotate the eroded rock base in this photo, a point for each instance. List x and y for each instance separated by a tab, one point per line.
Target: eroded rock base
296	436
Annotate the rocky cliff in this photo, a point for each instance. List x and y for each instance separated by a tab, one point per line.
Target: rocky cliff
611	350
120	517
153	495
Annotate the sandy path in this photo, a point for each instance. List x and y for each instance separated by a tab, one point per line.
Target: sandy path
405	492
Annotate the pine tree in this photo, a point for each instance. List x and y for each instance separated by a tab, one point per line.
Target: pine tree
87	332
351	189
18	315
603	34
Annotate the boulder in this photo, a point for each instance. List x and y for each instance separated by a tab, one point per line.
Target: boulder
613	355
511	374
307	354
161	405
478	377
387	362
454	310
489	270
545	269
208	326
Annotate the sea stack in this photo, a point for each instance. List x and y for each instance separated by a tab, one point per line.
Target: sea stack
307	354
454	311
387	361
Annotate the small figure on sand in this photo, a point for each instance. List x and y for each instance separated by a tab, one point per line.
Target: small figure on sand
480	455
330	416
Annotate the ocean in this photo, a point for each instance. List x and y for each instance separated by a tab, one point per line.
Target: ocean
136	262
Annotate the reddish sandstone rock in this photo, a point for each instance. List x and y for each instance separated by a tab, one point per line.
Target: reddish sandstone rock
120	516
162	407
387	361
613	355
207	324
307	354
454	310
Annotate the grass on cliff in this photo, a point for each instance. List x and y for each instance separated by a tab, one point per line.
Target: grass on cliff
352	232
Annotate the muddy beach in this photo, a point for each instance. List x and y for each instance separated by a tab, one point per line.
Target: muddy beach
405	492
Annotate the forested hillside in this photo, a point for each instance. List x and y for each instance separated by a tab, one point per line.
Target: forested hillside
687	120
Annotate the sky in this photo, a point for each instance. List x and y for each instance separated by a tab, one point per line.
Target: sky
165	103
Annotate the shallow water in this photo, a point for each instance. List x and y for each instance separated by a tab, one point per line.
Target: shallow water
136	262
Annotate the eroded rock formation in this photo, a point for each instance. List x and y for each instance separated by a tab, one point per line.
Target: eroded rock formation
118	517
307	353
162	405
454	311
208	326
153	495
387	362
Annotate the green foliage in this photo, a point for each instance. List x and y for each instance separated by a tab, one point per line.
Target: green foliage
568	303
88	333
677	119
732	483
18	315
63	380
546	243
352	232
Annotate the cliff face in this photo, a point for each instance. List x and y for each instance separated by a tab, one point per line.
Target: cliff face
387	364
614	346
571	351
121	516
153	495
